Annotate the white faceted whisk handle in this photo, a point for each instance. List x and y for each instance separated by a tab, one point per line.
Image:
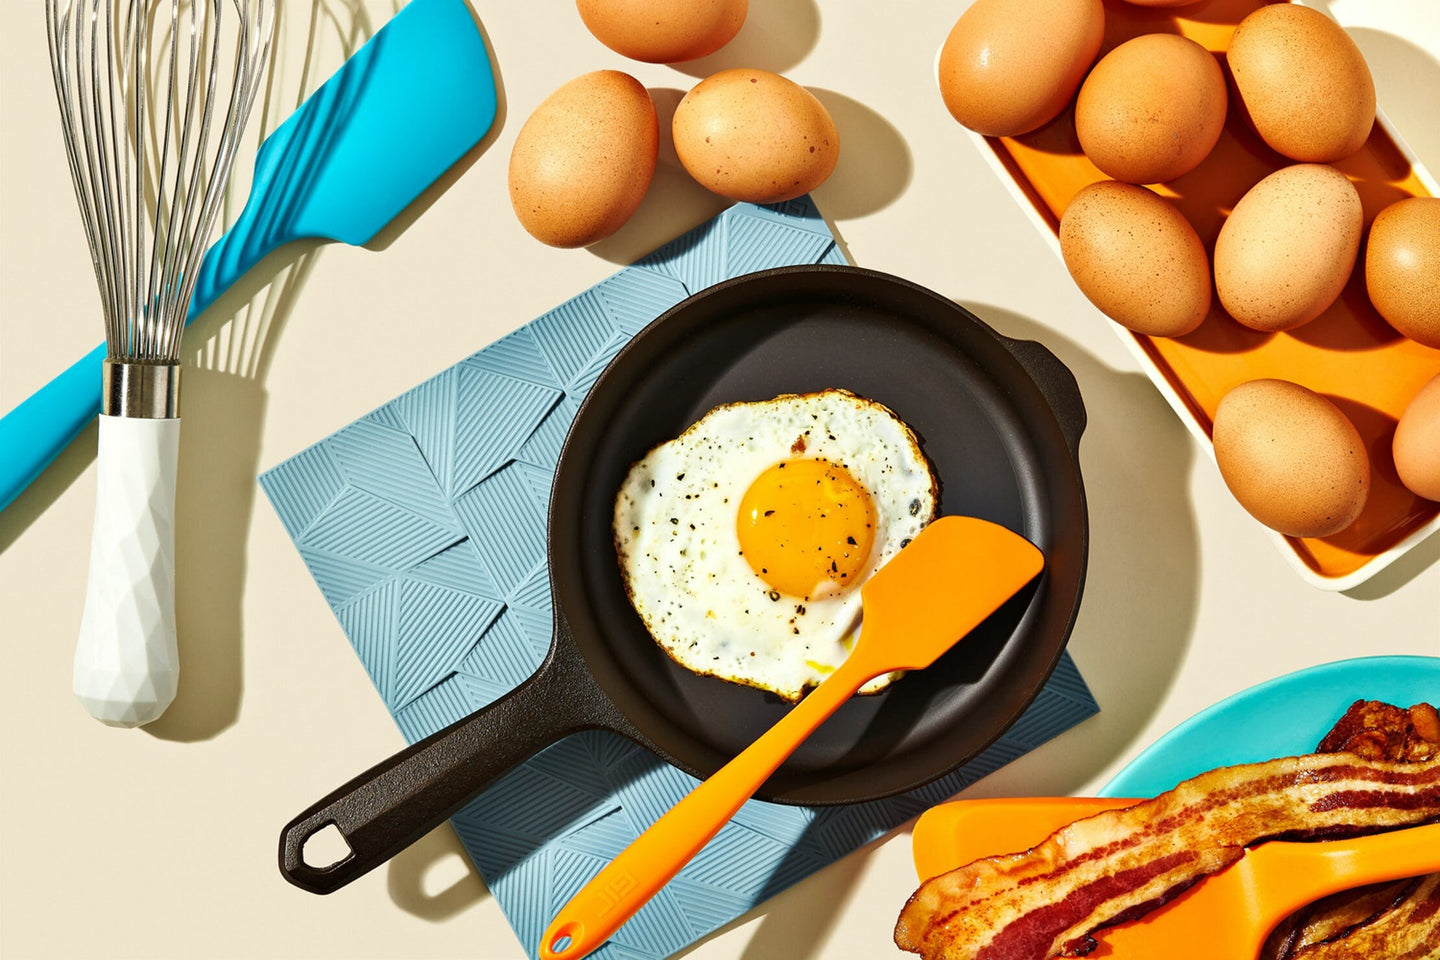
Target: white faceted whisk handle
127	663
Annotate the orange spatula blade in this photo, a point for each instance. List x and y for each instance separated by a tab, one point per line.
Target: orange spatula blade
952	576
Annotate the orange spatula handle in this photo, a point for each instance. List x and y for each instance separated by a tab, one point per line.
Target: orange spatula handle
1287	876
648	863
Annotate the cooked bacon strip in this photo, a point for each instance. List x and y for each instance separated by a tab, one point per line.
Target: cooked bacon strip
1122	863
1379	731
1409	932
1335	916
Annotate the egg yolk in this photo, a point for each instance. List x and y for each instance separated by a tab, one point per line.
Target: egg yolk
805	525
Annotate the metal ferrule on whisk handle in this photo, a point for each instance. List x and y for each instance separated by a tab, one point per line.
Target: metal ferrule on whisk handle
153	95
150	391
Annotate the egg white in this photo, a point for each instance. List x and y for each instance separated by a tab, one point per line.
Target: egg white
679	550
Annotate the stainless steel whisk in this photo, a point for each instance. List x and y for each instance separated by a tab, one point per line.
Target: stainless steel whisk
153	97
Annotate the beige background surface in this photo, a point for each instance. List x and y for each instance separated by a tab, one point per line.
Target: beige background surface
160	842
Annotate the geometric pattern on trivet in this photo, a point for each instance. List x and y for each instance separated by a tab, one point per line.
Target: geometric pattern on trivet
423	523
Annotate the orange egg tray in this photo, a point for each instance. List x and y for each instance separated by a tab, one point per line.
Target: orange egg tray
1349	354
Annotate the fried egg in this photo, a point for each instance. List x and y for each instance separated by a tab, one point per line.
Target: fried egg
744	541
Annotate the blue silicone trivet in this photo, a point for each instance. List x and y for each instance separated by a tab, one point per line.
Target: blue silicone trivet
423	523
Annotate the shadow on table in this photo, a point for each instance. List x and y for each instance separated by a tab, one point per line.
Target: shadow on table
874	167
1417	560
228	356
777	35
1142	581
436	859
790	925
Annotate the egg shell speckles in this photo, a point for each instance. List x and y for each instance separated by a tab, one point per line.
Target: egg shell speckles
1010	66
1303	81
1152	109
1137	258
1402	267
754	136
584	159
1291	458
679	551
1286	251
1417	443
663	31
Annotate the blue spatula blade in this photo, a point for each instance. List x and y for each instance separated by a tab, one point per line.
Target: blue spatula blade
399	113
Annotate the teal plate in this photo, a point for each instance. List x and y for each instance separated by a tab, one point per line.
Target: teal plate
1281	717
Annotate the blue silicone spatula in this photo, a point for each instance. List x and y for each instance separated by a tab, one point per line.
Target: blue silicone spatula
399	113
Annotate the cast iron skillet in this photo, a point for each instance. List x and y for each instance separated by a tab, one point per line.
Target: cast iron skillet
999	419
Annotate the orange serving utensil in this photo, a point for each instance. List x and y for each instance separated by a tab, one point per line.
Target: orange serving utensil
952	576
1227	915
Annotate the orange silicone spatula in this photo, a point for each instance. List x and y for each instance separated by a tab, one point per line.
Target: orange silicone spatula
951	577
1227	915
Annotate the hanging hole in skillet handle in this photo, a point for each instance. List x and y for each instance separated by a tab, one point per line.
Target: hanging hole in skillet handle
310	857
313	853
325	848
1056	383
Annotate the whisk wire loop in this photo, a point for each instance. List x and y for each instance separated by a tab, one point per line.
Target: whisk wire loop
153	95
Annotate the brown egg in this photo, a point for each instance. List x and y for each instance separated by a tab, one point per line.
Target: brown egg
1137	258
1152	109
1291	458
1402	267
1162	3
1286	251
1417	443
1009	66
583	161
753	135
1303	81
663	31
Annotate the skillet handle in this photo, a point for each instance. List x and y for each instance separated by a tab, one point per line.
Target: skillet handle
396	802
1056	383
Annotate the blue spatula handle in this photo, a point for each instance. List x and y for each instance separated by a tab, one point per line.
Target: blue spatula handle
37	430
43	424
